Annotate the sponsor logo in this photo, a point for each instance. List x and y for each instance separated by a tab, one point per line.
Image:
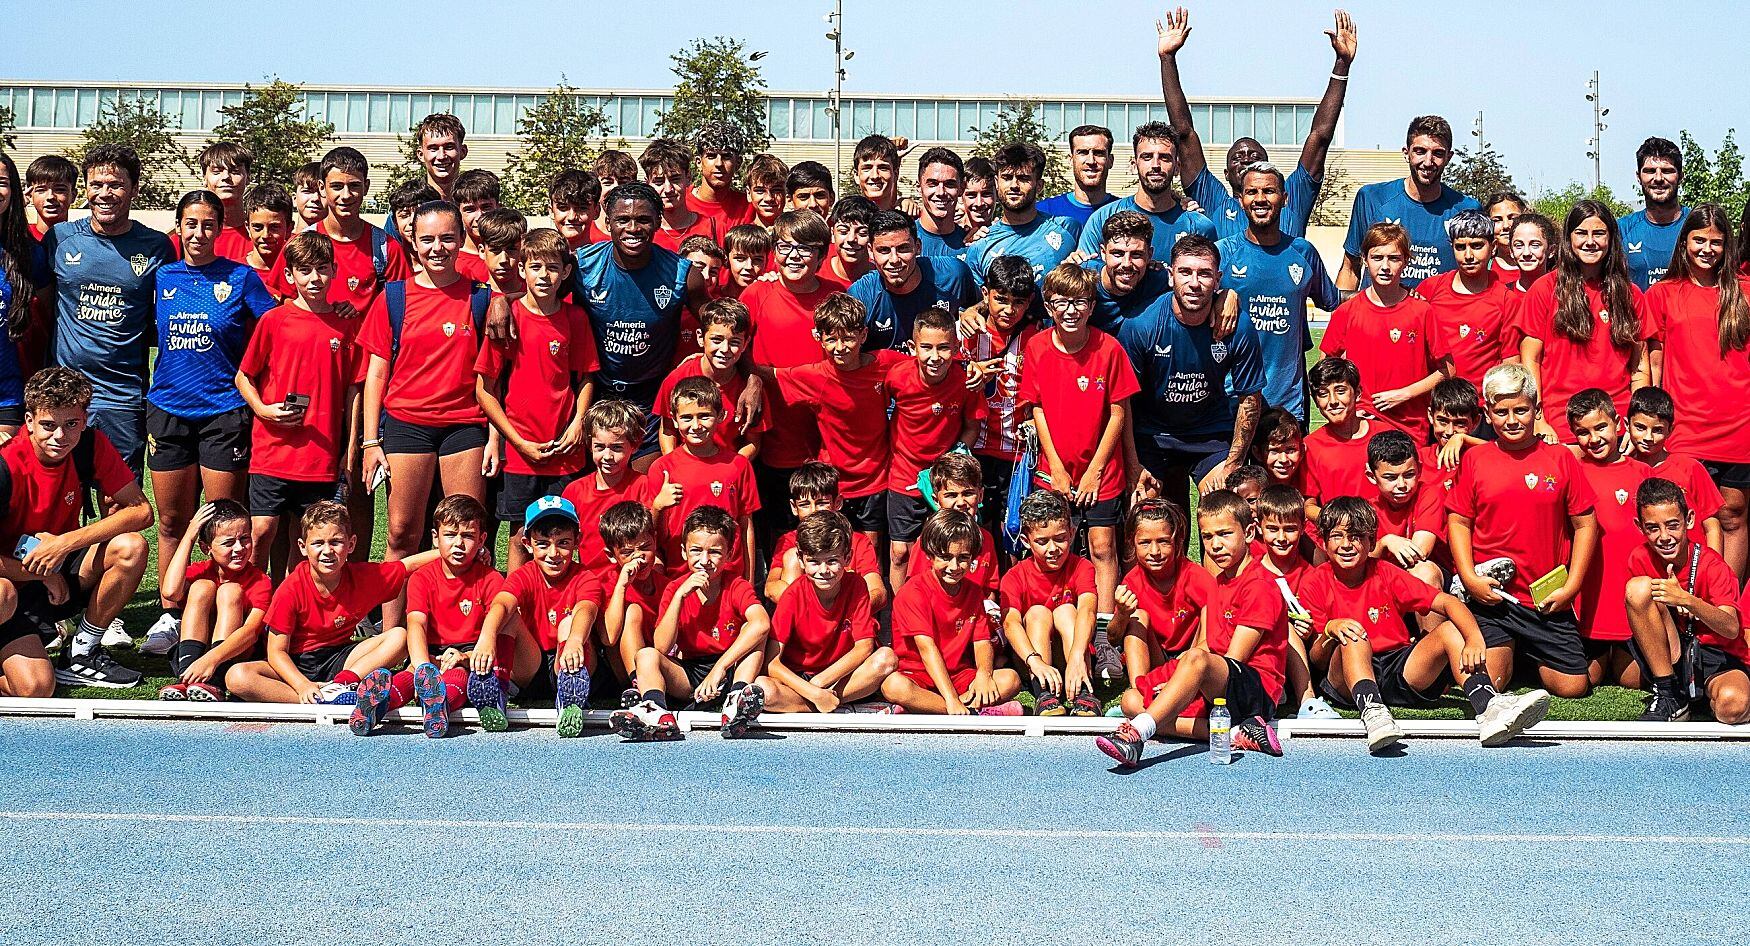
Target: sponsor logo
1636	247
1163	351
167	294
1237	272
1549	484
221	291
1232	214
942	304
139	263
663	296
73	259
885	324
237	453
598	296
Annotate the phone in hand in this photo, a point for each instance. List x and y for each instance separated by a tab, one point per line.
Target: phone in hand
377	480
25	544
299	402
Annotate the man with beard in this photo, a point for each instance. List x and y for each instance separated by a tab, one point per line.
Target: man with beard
1128	282
1155	159
1186	432
1020	229
1419	203
1303	184
1090	157
941	180
1273	276
1649	236
905	282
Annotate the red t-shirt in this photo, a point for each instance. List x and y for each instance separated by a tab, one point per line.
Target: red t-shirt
544	604
783	327
257	588
702	225
1393	347
1379	602
983	572
48	498
1602	610
927	419
814	636
851	413
1698	489
295	351
725	480
863	560
1174	611
1028	584
472	266
999	435
708	629
1425	512
1251	599
1519	505
1569	367
315	621
1473	329
1712	391
454	608
954	621
1715	583
591	501
1339	467
730	208
1435	476
431	380
644	592
538	396
355	273
724	435
1077	392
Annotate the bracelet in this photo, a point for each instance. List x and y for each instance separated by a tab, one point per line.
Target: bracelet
1339	78
1031	657
368	444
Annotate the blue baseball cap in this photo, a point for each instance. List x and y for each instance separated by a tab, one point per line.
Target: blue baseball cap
548	506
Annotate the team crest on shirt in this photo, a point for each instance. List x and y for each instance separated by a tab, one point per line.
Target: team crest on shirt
1218	351
1082	382
663	296
334	344
1397	334
553	347
1054	240
72	498
139	263
73	259
340	620
1464	331
717	487
943	304
1622	497
449	329
552	616
1531	481
221	291
1295	271
1373	615
352	284
466	606
936	408
1604	316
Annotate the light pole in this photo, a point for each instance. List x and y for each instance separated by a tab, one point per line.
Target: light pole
1598	126
1477	133
840	56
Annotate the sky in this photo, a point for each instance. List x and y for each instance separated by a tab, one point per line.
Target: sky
1524	64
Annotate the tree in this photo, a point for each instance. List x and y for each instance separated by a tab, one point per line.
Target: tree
1479	173
1718	179
141	125
8	121
561	131
1556	204
718	81
272	122
1018	120
407	169
1336	197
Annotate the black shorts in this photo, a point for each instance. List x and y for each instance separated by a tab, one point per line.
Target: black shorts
12	416
1551	640
1599	650
220	442
1246	696
1728	475
35	615
1388	673
905	515
867	513
1178	464
1102	514
696	668
1711	662
518	490
324	663
272	496
401	436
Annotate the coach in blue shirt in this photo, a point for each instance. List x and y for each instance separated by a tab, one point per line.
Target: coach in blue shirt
1649	236
1419	203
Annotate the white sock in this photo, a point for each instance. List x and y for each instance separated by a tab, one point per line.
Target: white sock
1144	724
86	638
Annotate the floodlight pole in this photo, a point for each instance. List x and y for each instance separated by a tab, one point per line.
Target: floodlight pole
837	35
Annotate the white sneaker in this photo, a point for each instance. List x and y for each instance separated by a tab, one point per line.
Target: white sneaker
116	635
1316	708
1383	731
164	635
1509	715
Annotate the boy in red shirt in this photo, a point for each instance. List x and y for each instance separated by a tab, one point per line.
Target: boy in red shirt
1358	602
748	249
309	203
1520	508
935	409
447	603
267	222
501	234
993	356
476	194
668	168
1411	513
942	634
225	167
1683	592
724	327
311	656
721	150
1279	446
1237	656
536	388
1454	414
703	473
823	653
224	603
1336	454
1048	598
365	257
1471	305
536	637
1280	514
1388	333
849	259
633	582
1078	384
301	375
765	190
51	183
574	200
814	487
614	430
1651	416
1614	478
716	630
1160	604
957	483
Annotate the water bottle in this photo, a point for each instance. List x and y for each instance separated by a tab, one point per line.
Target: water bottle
1220	739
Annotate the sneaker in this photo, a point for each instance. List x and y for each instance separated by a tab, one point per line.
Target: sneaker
1108	660
173	692
338	694
1010	708
96	669
163	636
629	697
205	693
1316	708
571	700
372	703
1257	735
1383	731
1050	704
428	690
115	635
1125	745
1085	704
1509	715
486	695
645	722
1500	569
366	630
741	710
1666	706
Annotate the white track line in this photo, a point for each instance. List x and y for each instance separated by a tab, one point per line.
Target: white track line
1200	835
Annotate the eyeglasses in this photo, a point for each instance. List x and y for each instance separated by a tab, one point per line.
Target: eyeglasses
794	249
1068	305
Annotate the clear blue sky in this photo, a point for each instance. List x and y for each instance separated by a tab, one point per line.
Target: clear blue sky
1524	63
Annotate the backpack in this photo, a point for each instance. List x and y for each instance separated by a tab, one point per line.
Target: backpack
395	300
379	253
84	460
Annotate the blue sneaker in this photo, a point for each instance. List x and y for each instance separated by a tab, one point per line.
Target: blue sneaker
338	694
487	696
573	698
373	703
428	689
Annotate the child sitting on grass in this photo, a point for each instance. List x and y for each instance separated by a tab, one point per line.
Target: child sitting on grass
224	601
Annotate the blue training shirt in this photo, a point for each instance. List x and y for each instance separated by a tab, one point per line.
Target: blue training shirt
1388	202
635	314
103	305
1169	225
11	372
1111	311
204	316
1274	284
944	283
1066	205
1300	194
1044	241
1185	373
1649	246
954	244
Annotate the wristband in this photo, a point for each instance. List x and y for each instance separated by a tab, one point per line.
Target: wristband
1339	78
368	444
1031	657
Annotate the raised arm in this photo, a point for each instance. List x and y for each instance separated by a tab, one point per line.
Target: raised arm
1324	120
1171	33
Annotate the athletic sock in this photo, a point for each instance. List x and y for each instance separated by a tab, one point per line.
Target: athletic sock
86	639
1665	684
183	655
455	697
1365	692
400	689
1479	689
737	686
347	678
657	698
1144	724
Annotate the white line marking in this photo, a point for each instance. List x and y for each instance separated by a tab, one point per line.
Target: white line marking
1200	835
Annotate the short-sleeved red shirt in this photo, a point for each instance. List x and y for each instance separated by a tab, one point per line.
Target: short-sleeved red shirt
431	379
1698	489
954	621
1077	392
1473	329
783	337
1028	584
1602	609
1339	467
591	501
49	498
538	394
1568	367
1392	346
1378	602
1173	611
983	572
927	420
1425	512
710	628
454	608
1715	583
257	588
1712	390
1519	505
724	480
312	620
863	560
295	351
1251	599
355	272
850	410
725	434
544	604
815	636
729	207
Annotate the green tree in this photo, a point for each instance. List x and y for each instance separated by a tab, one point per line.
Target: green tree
1479	173
273	123
1717	178
1556	204
1336	197
717	81
8	121
1018	120
141	125
407	169
561	131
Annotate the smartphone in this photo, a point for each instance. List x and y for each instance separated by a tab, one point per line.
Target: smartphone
298	401
377	481
25	544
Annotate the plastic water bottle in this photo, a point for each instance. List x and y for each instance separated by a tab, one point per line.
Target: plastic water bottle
1221	750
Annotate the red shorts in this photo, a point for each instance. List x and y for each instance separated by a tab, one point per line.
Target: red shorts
962	679
1152	680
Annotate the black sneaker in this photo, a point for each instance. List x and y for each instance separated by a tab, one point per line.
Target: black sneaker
1665	707
1124	745
741	709
95	669
1085	704
1049	704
